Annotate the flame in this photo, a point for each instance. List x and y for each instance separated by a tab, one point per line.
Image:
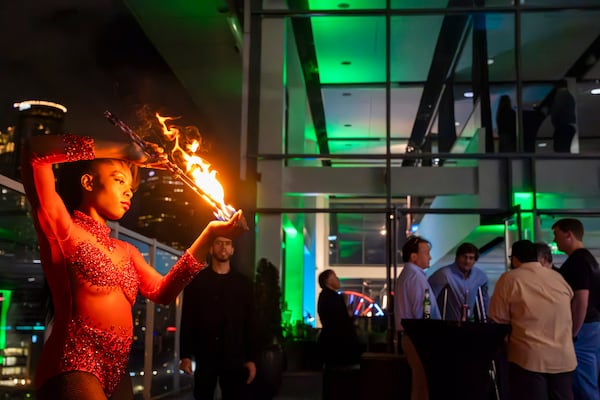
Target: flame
198	169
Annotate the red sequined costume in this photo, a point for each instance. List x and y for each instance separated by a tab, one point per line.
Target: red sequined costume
94	279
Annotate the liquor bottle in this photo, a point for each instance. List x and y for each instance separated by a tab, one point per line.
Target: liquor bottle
465	313
465	308
426	305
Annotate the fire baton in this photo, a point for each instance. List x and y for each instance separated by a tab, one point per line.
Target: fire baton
223	212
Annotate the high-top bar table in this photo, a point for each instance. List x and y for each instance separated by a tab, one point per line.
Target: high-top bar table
456	356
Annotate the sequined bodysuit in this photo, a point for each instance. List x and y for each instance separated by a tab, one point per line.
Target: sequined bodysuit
94	279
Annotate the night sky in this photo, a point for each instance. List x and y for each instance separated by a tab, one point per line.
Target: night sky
88	56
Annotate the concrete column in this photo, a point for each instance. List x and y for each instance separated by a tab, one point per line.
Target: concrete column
270	141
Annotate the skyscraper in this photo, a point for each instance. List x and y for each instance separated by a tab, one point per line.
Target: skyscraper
36	117
168	210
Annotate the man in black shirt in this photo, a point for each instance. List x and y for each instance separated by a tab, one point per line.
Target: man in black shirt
582	273
338	342
217	328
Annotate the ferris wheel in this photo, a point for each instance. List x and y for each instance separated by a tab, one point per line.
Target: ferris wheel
361	304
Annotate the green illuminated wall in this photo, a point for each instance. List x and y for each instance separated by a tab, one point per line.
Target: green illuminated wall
294	270
525	200
5	296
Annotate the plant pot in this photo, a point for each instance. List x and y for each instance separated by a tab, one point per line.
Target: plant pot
269	371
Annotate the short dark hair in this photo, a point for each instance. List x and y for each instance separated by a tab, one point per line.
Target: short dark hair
570	225
467	248
412	246
543	251
524	251
323	276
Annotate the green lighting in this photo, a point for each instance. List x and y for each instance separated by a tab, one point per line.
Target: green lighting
550	201
5	302
497	229
355	5
524	199
294	267
345	55
290	230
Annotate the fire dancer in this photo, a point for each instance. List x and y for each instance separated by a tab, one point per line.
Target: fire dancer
93	278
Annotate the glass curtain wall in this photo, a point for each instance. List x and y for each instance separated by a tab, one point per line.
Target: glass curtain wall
379	119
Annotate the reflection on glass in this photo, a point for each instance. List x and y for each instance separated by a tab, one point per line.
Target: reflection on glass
23	299
357	239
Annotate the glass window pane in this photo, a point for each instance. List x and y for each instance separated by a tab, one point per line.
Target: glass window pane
23	299
136	358
357	239
164	364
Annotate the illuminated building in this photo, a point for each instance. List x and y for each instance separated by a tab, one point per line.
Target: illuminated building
167	210
36	117
7	150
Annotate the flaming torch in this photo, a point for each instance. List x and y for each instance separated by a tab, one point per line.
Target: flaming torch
198	175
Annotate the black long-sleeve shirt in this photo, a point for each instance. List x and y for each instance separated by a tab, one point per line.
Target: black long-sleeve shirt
217	320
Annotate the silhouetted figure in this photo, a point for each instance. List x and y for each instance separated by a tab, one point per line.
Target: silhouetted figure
338	341
562	115
506	121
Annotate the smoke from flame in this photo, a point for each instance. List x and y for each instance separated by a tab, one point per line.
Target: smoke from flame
197	168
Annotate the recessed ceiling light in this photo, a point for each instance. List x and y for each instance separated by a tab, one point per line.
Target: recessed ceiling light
490	61
595	91
344	5
468	94
346	62
542	144
457	123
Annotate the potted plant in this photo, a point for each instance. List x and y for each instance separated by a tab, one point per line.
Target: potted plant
269	333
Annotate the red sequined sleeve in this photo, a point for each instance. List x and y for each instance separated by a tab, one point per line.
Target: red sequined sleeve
38	179
164	289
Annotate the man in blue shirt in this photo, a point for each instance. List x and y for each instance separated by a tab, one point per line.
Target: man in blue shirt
409	294
461	289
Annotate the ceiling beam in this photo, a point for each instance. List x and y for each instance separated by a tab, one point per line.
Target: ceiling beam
443	61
